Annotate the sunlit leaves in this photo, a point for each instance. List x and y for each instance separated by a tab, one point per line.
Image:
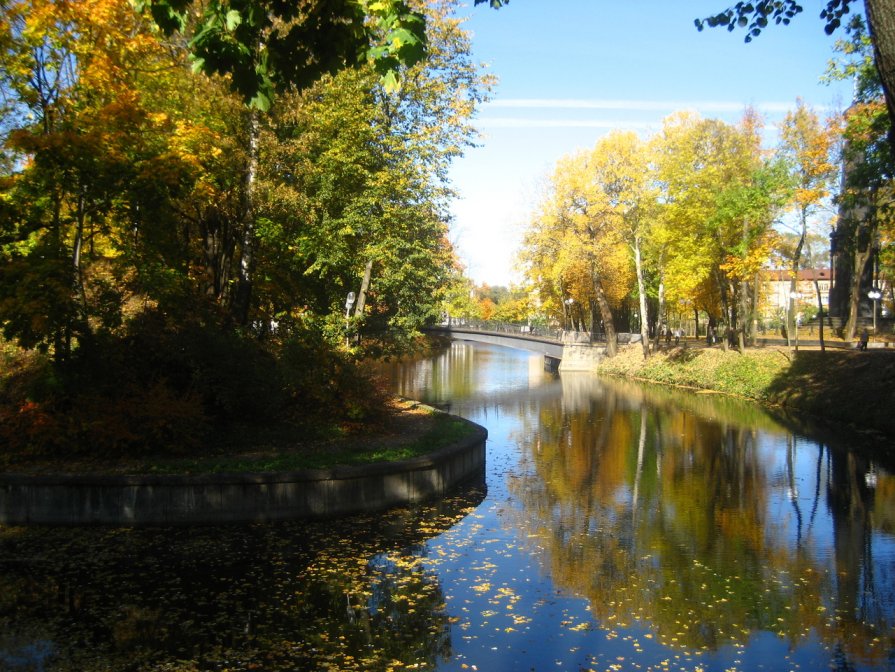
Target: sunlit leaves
367	184
577	239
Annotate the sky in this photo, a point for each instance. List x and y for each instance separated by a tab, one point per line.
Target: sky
571	71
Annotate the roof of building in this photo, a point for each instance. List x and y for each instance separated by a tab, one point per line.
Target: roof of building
805	274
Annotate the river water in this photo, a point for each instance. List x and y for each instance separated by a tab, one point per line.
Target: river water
620	527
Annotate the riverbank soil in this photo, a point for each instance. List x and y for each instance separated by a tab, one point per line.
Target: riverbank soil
848	388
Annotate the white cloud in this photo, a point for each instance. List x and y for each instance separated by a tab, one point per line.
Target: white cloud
522	122
633	105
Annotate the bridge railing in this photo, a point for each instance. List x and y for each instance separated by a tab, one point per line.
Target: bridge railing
536	330
539	331
504	328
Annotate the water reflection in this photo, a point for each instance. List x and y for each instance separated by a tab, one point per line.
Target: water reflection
689	523
625	527
699	520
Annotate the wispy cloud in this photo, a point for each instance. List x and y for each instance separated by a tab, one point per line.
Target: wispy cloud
634	105
523	122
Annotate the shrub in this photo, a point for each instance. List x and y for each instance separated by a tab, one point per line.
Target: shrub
161	389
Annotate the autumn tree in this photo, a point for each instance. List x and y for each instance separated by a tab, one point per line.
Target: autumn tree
621	174
690	178
139	196
720	200
89	157
575	241
809	146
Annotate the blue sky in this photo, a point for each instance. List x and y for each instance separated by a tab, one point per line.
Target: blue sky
570	71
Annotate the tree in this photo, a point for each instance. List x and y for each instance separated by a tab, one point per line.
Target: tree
83	147
866	198
137	197
620	171
575	242
720	200
808	147
352	174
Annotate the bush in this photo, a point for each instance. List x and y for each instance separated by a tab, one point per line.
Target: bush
160	389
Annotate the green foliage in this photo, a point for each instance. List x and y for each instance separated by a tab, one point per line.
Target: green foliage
138	211
267	46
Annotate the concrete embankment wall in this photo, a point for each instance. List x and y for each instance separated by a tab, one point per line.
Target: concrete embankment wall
224	498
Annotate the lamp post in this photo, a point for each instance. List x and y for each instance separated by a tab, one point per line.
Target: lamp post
569	303
874	295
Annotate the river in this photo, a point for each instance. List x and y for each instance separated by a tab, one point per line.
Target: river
620	527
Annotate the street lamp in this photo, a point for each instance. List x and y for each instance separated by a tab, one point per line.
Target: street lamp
874	295
349	302
569	303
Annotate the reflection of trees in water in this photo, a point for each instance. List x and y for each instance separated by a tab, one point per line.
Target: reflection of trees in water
473	379
657	513
337	595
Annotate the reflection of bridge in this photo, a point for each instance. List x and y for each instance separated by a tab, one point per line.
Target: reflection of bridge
568	351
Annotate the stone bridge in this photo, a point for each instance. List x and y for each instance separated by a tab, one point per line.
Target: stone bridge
565	351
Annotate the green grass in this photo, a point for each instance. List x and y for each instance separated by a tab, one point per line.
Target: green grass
445	430
282	449
842	387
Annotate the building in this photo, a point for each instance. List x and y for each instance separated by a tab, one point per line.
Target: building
776	284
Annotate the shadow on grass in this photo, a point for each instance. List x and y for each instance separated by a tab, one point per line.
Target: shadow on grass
682	355
856	389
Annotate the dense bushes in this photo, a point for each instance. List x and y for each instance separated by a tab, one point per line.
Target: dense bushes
157	389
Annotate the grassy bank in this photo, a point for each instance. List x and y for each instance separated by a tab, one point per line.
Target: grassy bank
847	388
406	430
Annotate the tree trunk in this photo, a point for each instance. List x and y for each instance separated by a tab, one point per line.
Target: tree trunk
881	23
790	312
364	286
753	318
243	299
745	315
793	282
660	310
860	259
724	298
644	334
606	316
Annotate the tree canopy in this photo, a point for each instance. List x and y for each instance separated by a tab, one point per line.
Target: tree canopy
140	197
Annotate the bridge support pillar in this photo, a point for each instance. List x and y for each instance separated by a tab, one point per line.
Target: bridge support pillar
577	356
